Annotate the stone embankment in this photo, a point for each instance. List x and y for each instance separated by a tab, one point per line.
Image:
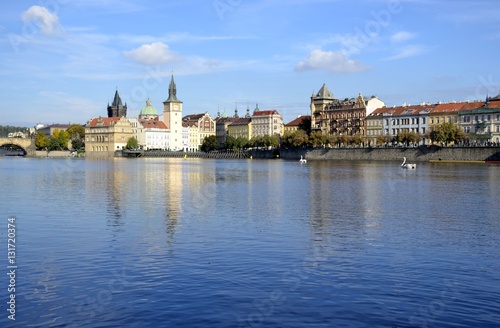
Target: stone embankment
418	154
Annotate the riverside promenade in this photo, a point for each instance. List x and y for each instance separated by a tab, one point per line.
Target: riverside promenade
414	154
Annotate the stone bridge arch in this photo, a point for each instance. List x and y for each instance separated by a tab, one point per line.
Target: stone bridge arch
27	144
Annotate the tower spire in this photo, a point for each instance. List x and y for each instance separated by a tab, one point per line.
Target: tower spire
172	90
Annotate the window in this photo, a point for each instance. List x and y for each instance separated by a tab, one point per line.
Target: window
423	120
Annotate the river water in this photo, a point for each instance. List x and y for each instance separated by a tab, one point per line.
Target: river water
250	243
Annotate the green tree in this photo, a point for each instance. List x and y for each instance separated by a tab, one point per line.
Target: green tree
59	140
447	133
318	139
76	130
230	142
41	140
210	143
297	138
132	143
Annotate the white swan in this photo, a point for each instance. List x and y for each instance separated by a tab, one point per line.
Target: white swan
302	160
409	166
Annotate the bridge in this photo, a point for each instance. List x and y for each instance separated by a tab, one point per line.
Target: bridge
26	144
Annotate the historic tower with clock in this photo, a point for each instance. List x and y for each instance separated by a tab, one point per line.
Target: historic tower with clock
172	116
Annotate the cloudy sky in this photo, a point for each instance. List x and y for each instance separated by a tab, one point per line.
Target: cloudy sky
62	60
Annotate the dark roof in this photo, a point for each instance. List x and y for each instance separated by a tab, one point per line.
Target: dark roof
241	121
298	120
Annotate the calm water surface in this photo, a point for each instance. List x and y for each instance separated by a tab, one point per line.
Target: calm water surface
249	243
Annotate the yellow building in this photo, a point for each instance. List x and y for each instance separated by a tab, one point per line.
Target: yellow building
105	135
241	127
295	124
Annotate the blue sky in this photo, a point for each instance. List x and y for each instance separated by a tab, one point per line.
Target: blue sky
61	60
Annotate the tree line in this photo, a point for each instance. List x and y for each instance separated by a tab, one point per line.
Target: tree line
60	139
445	134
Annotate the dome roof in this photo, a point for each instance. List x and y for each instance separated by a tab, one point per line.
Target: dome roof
148	109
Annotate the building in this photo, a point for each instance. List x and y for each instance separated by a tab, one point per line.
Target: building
201	126
295	124
390	121
341	117
482	123
48	130
105	135
266	122
221	128
241	128
117	109
172	116
150	132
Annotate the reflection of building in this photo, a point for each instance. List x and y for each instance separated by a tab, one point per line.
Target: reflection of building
341	117
266	123
104	135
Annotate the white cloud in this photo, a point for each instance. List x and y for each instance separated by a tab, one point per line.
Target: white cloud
335	62
402	36
152	54
409	51
47	22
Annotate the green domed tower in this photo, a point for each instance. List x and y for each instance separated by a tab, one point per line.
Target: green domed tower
148	112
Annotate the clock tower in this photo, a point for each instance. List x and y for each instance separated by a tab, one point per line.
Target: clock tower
172	116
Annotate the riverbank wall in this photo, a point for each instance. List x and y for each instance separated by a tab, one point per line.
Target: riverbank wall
418	154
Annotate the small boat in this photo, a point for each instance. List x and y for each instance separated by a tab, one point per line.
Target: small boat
408	166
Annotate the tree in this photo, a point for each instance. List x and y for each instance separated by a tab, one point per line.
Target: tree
305	125
447	133
297	138
383	139
76	130
356	139
210	143
317	139
41	140
59	140
132	143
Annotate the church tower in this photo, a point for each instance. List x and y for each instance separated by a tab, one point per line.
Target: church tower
172	116
117	109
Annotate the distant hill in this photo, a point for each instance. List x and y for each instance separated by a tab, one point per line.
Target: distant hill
6	129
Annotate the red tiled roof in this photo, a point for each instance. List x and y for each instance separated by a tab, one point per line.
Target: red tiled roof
473	105
153	124
265	112
494	104
107	121
298	120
